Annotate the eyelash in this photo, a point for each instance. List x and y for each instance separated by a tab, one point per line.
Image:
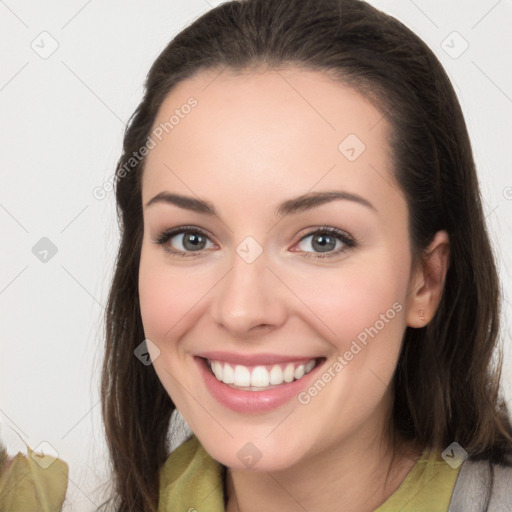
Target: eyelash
347	240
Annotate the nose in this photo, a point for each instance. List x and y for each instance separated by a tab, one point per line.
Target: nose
250	299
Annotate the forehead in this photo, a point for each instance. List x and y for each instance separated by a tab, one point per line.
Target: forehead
264	131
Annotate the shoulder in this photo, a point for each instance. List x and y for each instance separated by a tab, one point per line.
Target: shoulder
482	485
191	476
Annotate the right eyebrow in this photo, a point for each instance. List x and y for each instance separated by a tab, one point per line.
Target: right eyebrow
188	203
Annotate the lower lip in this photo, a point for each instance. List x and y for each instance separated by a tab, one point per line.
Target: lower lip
253	401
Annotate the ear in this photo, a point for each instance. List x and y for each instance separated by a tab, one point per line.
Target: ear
427	281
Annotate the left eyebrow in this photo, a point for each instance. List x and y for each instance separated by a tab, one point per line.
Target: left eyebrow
288	207
315	199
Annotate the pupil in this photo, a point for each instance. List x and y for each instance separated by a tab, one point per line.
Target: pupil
322	244
193	241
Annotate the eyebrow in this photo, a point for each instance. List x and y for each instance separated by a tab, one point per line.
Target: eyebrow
290	206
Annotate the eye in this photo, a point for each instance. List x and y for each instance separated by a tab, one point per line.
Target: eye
188	239
328	241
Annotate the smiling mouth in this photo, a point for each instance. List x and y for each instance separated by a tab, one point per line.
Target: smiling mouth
261	377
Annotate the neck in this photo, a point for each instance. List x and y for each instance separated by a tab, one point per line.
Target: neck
353	476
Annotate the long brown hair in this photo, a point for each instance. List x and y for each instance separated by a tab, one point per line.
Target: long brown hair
446	387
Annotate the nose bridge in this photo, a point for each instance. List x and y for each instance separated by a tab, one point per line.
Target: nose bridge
248	296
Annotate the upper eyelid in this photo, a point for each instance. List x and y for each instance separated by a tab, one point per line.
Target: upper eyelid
172	232
324	229
305	231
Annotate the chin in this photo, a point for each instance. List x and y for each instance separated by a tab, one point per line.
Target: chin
253	456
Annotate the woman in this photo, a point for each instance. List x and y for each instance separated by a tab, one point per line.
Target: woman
304	261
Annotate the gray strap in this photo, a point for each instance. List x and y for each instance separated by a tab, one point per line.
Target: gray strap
482	487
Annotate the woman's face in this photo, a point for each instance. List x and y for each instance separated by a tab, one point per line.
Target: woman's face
261	287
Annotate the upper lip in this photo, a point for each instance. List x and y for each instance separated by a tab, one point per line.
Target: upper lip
252	359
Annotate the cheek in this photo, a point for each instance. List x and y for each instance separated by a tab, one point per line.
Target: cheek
167	301
172	297
360	311
350	302
163	298
155	301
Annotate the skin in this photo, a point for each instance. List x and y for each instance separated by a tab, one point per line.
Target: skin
253	141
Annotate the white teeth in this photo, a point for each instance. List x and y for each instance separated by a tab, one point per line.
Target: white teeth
289	373
299	371
217	369
228	376
276	375
242	376
259	376
309	366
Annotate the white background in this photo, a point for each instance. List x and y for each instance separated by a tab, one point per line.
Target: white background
61	132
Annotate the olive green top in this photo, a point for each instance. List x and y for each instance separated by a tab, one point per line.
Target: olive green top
191	480
32	483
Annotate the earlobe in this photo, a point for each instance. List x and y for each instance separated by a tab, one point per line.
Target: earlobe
427	282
